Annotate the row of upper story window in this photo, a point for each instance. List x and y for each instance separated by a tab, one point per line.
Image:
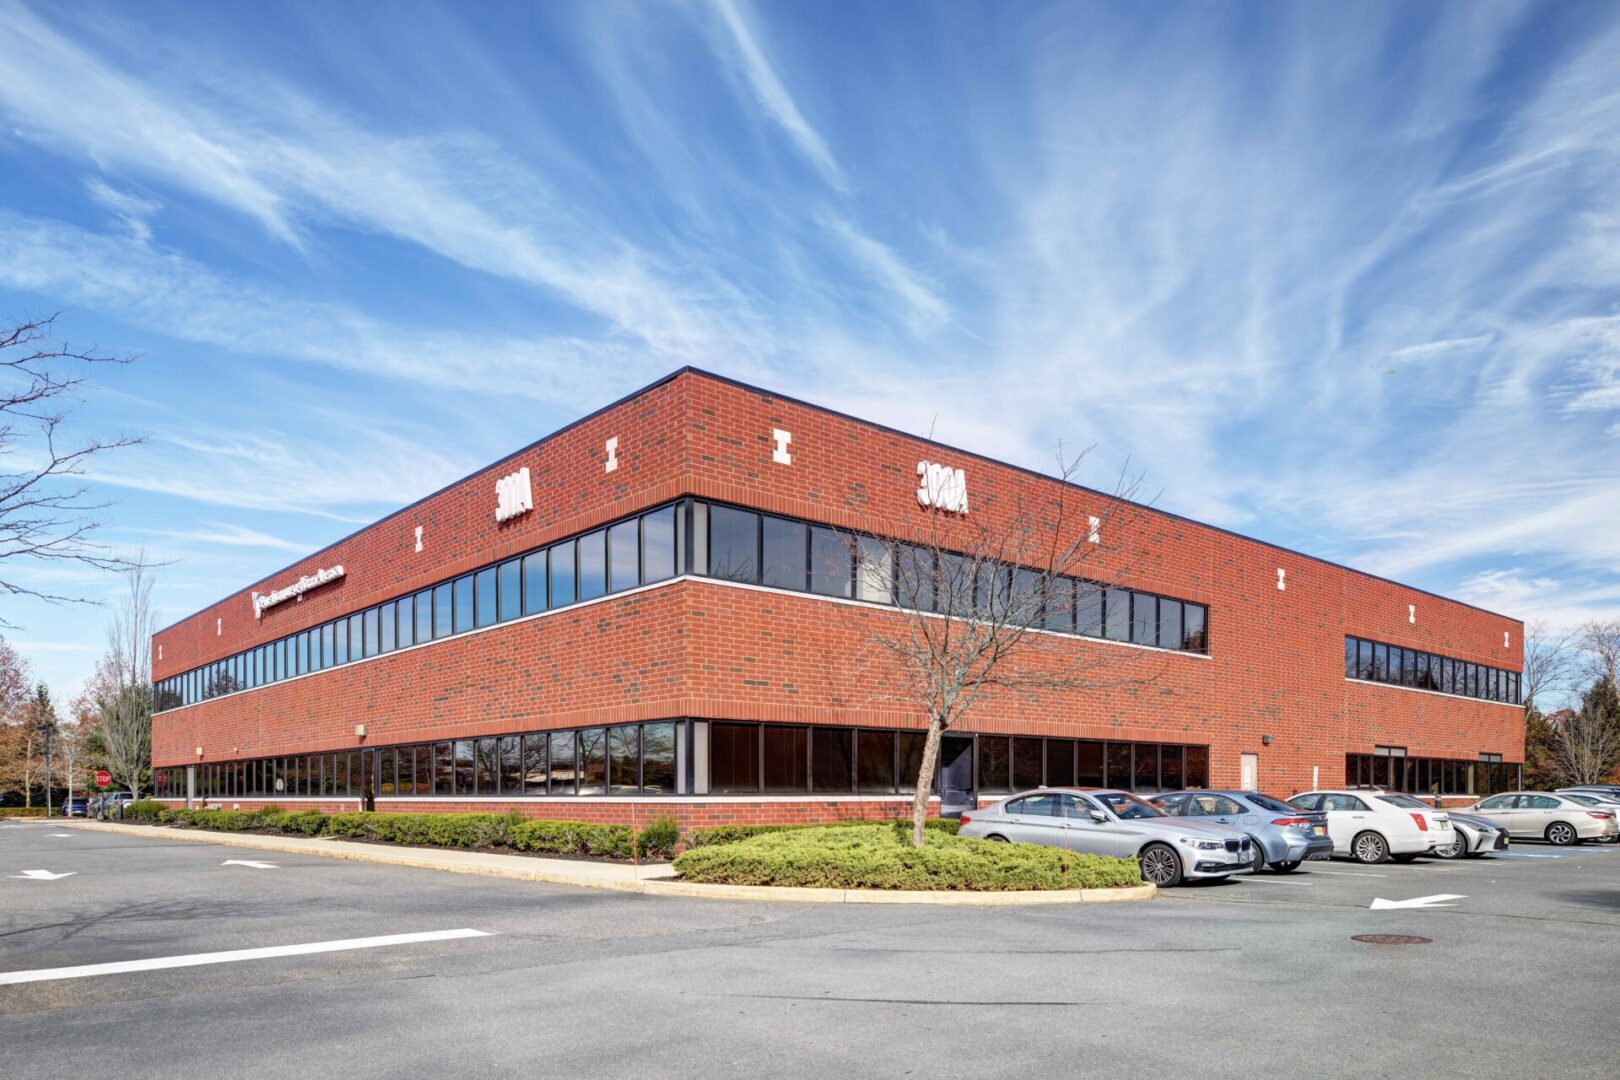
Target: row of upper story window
1372	661
710	540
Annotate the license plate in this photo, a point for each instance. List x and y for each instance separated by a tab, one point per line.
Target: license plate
1319	830
1445	826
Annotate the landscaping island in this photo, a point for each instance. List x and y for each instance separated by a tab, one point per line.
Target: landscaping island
858	855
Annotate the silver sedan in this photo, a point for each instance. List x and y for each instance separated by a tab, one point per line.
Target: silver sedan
1101	821
1472	835
1558	819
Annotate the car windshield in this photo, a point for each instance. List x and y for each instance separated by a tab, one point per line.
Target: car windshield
1128	807
1403	800
1276	806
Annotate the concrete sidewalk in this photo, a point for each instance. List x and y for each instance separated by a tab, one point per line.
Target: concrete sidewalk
652	878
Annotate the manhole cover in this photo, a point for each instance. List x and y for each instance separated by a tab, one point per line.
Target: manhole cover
1390	939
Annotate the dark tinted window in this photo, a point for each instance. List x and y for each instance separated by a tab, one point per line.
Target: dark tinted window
733	544
874	575
1028	759
1170	631
405	623
489	766
787	758
592	761
995	763
624	760
1089	772
1119	764
909	746
1144	619
785	554
874	761
734	757
511	778
465	767
1089	610
658	759
914	575
463	602
831	756
1059	763
1117	613
1170	771
534	764
1196	765
1147	767
832	563
372	630
563	773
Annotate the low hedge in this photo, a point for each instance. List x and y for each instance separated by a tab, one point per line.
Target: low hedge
880	856
22	811
730	834
657	841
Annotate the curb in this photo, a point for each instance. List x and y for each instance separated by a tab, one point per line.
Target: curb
653	880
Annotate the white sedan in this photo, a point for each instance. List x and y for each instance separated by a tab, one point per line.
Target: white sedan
1372	826
1555	818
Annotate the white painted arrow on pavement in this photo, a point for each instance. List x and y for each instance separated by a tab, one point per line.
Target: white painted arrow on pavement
1437	900
250	862
43	875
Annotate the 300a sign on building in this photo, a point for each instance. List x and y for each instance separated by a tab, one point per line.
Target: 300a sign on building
942	487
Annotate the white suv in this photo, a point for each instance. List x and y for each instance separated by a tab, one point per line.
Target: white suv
1371	826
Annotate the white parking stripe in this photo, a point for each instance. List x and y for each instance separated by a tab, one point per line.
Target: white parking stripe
1348	873
8	978
1276	881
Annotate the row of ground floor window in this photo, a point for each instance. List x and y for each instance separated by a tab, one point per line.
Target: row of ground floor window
700	757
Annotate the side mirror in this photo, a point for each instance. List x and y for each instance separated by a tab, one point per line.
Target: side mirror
1098	816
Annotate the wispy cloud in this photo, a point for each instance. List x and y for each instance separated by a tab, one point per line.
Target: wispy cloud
771	94
1437	348
130	209
222	534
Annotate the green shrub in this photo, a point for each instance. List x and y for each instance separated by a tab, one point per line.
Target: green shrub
573	838
144	810
880	856
305	822
658	840
730	834
22	811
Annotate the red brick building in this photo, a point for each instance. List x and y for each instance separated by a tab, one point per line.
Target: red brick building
666	606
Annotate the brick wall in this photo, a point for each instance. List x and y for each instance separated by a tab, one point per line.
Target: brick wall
693	648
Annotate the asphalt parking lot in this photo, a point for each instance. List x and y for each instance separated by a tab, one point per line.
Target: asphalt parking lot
1257	976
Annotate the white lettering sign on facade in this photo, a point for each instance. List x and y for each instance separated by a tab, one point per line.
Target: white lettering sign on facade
296	589
513	496
942	487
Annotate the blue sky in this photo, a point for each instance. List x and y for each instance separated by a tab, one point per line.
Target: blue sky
1343	277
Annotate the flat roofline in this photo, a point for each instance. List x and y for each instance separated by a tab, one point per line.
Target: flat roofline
690	369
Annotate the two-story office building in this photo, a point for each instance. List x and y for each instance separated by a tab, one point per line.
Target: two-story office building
668	606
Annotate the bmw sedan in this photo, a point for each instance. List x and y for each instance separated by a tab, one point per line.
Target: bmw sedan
1284	835
1095	821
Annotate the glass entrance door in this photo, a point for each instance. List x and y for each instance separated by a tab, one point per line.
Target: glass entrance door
956	791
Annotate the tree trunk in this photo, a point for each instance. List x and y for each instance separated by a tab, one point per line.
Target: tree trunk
925	780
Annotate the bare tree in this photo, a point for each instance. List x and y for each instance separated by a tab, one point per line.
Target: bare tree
46	514
1600	642
975	595
1549	664
1585	745
126	709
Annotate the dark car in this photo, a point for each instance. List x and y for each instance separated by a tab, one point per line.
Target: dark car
75	808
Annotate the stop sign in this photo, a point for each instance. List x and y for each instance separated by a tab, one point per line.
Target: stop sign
103	778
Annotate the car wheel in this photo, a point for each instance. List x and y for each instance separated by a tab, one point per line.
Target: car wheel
1288	866
1369	847
997	838
1456	849
1257	862
1561	833
1160	865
